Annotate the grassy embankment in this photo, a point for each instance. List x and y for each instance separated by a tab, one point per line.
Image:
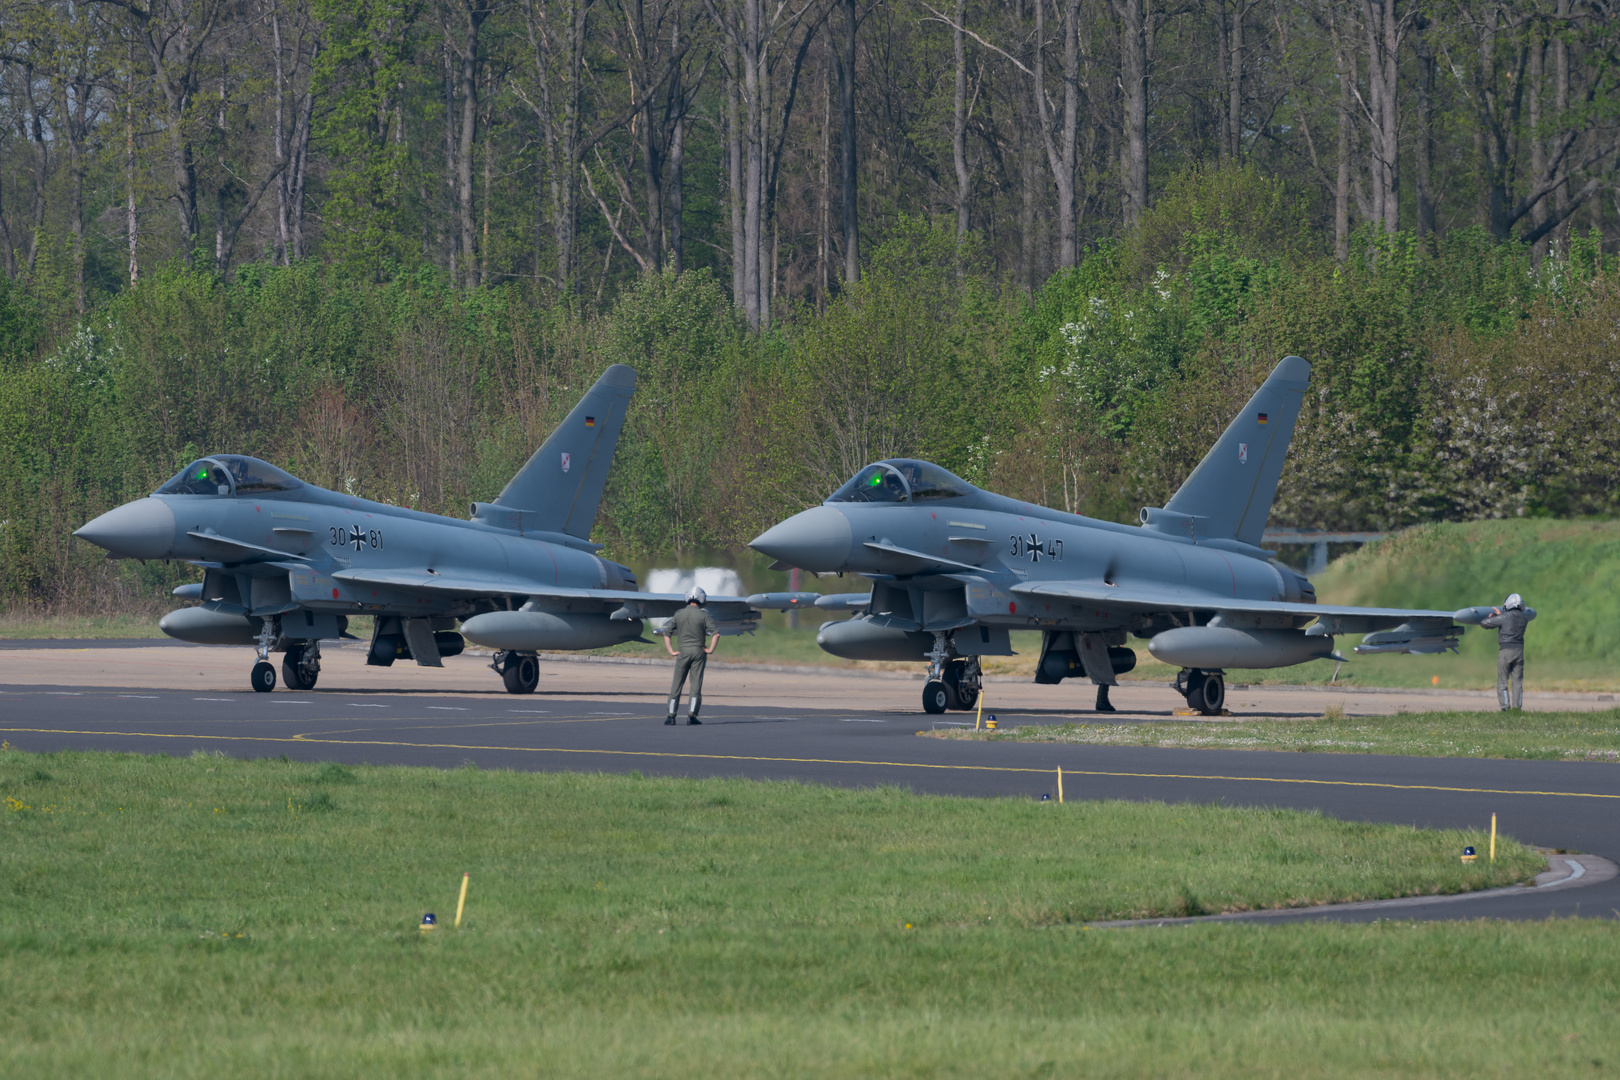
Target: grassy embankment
207	917
1568	736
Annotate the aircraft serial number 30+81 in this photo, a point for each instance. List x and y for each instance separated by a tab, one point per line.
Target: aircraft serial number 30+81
357	536
1034	547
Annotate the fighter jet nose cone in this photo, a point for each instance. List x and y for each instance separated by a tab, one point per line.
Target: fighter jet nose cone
143	529
816	540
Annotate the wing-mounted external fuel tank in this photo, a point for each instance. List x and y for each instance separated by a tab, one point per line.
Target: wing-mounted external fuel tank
1216	648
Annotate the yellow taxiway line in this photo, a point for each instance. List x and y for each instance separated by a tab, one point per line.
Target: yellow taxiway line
308	740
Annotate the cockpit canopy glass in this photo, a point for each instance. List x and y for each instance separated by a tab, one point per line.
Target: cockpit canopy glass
901	480
928	481
229	474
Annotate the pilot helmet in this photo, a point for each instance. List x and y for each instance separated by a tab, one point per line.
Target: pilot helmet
697	595
1514	601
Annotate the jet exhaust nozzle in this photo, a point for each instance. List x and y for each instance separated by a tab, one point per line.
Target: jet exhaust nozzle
533	631
1221	647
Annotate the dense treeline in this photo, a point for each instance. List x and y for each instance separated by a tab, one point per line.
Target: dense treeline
570	145
1450	382
1050	244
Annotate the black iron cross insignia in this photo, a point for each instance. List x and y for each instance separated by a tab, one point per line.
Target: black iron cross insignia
357	537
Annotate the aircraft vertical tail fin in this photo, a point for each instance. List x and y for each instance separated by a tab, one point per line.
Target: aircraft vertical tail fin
1232	489
562	483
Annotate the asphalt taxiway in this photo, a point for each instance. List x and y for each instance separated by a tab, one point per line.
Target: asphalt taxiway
832	729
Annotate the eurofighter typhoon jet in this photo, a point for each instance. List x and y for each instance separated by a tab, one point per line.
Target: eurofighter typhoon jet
285	563
954	568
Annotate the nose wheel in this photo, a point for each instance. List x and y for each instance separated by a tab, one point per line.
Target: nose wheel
264	676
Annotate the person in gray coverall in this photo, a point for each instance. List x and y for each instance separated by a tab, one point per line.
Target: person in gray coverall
693	626
1509	622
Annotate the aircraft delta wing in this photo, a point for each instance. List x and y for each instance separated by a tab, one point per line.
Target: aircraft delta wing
955	568
286	564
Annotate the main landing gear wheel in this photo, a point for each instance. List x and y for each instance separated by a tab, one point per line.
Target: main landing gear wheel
964	692
521	673
264	676
936	697
295	673
1206	692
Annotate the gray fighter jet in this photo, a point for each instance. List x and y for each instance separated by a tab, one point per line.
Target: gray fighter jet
954	568
285	563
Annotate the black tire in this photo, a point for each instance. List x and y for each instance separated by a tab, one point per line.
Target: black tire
966	699
292	670
264	676
936	697
521	673
1212	694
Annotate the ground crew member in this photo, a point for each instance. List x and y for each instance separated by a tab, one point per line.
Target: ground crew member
693	626
1509	622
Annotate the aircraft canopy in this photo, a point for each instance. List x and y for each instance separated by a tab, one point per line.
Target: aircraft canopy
901	480
229	474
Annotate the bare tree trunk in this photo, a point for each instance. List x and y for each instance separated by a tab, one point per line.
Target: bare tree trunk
734	159
72	121
1538	143
468	76
824	192
489	176
846	93
1134	49
450	168
677	192
1060	145
1423	146
300	161
132	221
1234	122
1561	106
959	124
1341	187
1383	31
36	133
767	217
283	225
754	170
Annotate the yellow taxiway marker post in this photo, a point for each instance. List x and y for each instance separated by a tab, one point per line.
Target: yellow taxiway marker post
980	714
1060	783
462	903
1493	838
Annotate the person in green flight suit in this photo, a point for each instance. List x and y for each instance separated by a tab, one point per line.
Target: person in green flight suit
1509	622
692	625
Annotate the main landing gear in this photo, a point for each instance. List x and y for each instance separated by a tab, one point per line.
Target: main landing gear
953	682
301	666
519	671
1204	690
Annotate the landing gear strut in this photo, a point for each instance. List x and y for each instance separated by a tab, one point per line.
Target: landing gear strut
519	671
954	682
1204	690
263	678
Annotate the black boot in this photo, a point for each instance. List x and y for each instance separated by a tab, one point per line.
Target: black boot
692	719
670	719
1102	700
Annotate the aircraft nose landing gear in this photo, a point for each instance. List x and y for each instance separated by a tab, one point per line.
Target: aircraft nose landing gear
264	672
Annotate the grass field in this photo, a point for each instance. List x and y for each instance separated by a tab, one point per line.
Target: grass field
207	917
1556	736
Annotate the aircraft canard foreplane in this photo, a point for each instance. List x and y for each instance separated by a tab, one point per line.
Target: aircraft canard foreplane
286	564
954	568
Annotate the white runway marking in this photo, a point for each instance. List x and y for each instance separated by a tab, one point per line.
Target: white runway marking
365	705
447	708
224	699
